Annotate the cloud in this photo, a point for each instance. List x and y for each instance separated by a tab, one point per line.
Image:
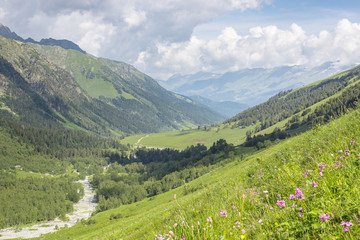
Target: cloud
266	47
118	29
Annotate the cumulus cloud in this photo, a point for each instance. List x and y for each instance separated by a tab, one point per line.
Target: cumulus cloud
266	46
119	29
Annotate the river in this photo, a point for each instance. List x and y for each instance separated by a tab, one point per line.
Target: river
82	210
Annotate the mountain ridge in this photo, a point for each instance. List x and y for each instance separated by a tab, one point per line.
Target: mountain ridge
66	44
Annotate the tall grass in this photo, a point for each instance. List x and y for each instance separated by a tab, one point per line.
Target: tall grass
307	188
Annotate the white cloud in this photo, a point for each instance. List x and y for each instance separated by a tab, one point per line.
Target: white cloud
2	13
134	17
262	47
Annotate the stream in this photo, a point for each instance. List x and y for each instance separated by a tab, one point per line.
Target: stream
82	210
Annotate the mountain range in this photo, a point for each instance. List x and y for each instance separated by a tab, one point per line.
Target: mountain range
50	86
249	86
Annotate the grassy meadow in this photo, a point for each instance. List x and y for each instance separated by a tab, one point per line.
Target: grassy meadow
306	187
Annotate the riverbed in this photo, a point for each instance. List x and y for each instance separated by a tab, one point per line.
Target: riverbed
82	210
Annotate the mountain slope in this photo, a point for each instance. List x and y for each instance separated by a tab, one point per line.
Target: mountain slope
81	91
280	193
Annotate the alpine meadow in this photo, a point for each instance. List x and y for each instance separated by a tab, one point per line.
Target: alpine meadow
217	120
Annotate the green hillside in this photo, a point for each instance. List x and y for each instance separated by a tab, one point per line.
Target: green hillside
304	187
286	114
48	86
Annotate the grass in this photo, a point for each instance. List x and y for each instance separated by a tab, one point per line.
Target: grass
319	168
185	138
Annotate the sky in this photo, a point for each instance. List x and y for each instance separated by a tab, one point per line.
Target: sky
167	37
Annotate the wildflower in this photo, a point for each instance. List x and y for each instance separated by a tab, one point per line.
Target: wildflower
175	225
265	191
313	183
352	142
347	153
347	224
243	231
281	203
294	206
244	196
301	209
209	219
182	237
260	221
340	151
321	173
278	195
174	196
198	223
223	213
292	196
230	233
299	194
171	233
305	174
346	229
234	207
324	217
300	215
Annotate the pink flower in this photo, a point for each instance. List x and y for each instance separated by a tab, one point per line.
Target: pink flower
230	233
300	215
175	225
321	173
292	196
234	207
347	153
346	229
324	217
301	209
313	183
223	213
294	206
352	142
260	221
209	219
347	224
174	196
171	233
243	231
281	203
299	194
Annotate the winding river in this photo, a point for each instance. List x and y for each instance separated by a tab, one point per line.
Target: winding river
82	210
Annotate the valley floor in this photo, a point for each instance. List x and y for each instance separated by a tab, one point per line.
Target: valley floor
83	210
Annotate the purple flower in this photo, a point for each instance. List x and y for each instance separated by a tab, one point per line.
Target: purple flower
299	194
321	173
313	183
347	224
292	196
223	213
347	153
324	217
346	229
301	209
281	203
300	215
234	207
294	206
352	142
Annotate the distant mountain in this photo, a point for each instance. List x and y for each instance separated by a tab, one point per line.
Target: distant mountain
66	44
226	108
249	86
49	86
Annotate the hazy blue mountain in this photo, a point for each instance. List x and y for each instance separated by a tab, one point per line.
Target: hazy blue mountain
226	108
248	86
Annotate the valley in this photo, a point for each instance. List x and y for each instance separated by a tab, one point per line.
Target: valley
92	148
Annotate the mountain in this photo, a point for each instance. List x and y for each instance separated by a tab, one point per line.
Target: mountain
249	86
226	108
49	86
66	44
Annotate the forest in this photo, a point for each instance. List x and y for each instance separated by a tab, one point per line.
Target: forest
150	172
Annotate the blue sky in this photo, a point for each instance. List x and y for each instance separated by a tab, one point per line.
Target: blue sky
168	37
